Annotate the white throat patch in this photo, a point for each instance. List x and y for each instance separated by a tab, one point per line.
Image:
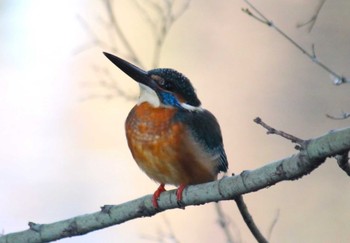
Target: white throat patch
191	108
148	95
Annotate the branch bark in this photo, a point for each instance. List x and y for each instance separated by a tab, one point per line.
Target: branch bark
310	157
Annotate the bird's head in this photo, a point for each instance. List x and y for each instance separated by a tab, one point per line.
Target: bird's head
160	87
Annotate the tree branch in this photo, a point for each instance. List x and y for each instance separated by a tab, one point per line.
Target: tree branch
160	20
273	224
224	223
271	130
134	58
342	116
258	15
343	162
248	219
311	22
313	154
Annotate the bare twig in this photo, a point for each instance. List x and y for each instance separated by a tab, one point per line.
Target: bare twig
109	84
132	55
95	40
161	21
311	22
343	162
160	17
97	97
248	219
273	224
336	78
171	235
271	130
223	222
161	236
343	116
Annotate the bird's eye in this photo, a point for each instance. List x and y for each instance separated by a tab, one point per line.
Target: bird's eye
163	83
168	86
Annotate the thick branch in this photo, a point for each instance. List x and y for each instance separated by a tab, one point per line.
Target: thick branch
228	188
343	162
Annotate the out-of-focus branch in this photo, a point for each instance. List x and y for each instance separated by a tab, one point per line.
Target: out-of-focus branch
248	219
296	166
95	40
273	224
109	84
161	235
311	22
223	223
258	15
113	20
160	16
342	116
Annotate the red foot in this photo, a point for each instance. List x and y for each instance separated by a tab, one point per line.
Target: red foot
179	192
156	195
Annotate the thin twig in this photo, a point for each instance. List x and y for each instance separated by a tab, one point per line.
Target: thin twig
165	16
273	224
109	84
342	116
134	58
223	222
271	130
161	236
95	40
311	22
171	235
182	10
161	21
336	78
97	97
248	219
147	16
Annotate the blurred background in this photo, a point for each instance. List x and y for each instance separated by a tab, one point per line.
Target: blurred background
63	106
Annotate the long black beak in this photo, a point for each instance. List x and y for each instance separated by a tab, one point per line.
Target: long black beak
133	71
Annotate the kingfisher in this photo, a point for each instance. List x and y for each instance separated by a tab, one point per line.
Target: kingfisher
171	137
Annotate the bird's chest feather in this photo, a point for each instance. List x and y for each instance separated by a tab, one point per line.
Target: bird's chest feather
148	125
151	133
161	146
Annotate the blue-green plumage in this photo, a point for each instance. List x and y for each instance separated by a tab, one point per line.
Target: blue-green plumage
172	138
206	131
175	82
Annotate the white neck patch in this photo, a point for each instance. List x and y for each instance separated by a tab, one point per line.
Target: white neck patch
148	95
190	107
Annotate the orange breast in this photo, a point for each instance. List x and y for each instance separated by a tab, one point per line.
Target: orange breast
164	149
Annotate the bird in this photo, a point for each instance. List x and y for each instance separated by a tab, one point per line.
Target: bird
171	137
